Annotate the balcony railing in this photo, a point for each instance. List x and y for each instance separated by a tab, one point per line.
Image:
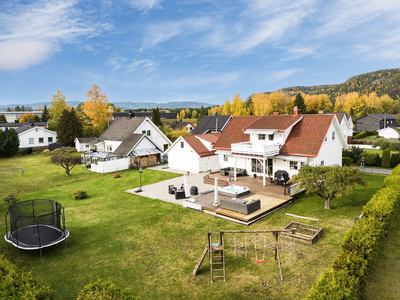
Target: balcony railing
256	149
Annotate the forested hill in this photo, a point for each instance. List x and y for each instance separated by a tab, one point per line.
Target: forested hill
381	82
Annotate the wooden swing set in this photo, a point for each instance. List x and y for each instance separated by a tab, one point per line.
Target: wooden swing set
216	250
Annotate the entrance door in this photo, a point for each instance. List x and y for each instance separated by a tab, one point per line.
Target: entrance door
256	166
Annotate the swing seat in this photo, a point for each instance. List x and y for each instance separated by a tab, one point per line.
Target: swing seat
260	260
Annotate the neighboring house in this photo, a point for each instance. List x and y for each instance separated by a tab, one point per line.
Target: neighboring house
34	136
374	122
264	144
134	141
179	125
211	124
4	126
85	144
193	153
346	124
389	133
15	116
140	114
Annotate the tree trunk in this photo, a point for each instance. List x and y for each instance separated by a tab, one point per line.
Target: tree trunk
327	203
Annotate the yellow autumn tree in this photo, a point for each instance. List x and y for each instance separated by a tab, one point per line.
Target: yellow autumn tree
316	103
238	107
57	106
215	109
26	117
259	104
388	104
227	108
96	108
373	104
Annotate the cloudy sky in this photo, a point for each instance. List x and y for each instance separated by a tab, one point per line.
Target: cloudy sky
189	50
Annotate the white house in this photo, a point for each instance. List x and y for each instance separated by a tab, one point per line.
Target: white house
128	141
389	133
193	153
35	136
179	125
264	144
346	124
85	144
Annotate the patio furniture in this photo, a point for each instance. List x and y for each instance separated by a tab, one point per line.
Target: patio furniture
180	195
231	172
240	206
171	189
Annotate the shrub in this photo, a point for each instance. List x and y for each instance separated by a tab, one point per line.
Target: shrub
394	146
46	152
347	153
104	290
372	159
116	175
394	159
79	194
386	158
347	161
363	134
10	200
356	152
15	284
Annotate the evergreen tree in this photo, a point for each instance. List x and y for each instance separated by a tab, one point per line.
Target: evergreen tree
9	143
8	109
3	118
155	117
201	114
299	102
158	118
45	114
17	108
69	127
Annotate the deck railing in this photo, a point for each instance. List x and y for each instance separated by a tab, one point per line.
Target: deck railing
256	148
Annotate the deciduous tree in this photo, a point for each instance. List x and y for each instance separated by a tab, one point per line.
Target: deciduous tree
328	182
96	108
27	117
66	160
3	118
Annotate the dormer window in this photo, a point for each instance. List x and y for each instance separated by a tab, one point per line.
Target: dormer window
270	137
333	136
261	137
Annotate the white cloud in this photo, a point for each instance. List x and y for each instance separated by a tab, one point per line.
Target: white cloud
25	53
145	65
144	4
283	74
45	25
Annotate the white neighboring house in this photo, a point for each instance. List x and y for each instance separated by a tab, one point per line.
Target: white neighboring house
128	141
346	124
389	133
35	136
193	153
264	144
85	144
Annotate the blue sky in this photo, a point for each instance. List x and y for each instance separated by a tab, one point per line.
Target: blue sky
189	50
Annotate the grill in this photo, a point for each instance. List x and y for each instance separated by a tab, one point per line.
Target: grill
282	176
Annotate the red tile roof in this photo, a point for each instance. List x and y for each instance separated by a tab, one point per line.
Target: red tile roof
197	146
233	132
209	137
307	136
281	123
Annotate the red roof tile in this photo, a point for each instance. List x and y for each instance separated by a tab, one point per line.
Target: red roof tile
307	136
197	146
280	122
209	137
233	132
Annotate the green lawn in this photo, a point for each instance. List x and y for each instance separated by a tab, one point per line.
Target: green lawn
152	246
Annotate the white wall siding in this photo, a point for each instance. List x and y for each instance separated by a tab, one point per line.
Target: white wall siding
111	166
35	134
155	134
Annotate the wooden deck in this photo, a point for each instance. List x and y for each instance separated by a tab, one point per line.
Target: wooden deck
272	197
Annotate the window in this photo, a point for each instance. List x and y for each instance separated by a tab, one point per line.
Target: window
143	131
375	122
293	165
225	157
333	136
36	130
322	163
261	137
326	139
31	140
41	140
87	146
50	139
148	133
182	145
270	137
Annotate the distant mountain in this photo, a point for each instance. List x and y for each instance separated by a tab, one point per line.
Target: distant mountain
123	105
381	82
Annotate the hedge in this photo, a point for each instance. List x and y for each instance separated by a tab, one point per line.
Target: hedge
104	290
386	158
363	134
16	284
347	161
361	245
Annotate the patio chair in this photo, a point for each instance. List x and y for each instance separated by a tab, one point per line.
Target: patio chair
171	189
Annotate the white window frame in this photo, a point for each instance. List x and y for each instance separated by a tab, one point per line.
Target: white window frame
50	139
293	165
225	157
41	142
261	137
31	141
333	135
182	144
270	137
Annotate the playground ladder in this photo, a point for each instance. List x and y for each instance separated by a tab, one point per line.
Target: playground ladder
217	256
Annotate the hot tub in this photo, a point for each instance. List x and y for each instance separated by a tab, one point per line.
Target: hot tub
233	191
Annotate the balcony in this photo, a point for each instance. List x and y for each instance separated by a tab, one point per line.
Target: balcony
255	149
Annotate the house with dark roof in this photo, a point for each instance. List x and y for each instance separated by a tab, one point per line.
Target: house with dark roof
31	136
179	125
4	125
374	122
85	144
193	153
211	124
128	141
265	144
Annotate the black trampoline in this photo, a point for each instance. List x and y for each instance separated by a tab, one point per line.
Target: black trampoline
36	224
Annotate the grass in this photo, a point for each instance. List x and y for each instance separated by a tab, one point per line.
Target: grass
152	246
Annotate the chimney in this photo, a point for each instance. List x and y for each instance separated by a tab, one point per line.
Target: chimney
31	122
321	112
295	111
276	113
